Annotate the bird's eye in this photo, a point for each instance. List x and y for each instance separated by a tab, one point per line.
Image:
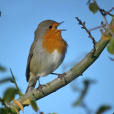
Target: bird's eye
50	27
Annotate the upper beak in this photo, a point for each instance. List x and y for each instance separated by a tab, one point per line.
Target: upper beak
60	24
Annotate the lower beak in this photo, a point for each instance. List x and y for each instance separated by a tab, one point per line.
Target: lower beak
60	24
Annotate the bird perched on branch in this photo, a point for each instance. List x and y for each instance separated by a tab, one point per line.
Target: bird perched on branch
46	53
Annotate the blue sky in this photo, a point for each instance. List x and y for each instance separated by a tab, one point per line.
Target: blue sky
18	21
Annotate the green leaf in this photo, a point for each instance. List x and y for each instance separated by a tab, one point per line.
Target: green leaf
3	111
102	109
93	7
34	105
9	94
110	48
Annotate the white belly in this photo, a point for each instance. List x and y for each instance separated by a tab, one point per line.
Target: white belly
52	63
45	63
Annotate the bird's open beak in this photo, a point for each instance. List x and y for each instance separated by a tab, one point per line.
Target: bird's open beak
60	24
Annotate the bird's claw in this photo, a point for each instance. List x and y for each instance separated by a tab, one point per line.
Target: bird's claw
40	88
62	76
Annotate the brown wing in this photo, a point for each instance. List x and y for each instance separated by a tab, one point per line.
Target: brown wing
29	59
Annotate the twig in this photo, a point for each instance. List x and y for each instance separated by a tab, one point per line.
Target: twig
5	80
106	23
104	14
89	111
14	81
110	10
90	36
107	12
88	1
97	27
103	25
111	58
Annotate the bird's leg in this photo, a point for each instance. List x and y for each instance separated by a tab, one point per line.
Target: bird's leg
40	86
39	81
60	76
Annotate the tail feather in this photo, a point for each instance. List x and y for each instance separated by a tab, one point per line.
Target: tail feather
30	87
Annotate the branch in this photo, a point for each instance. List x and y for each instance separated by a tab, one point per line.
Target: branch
69	76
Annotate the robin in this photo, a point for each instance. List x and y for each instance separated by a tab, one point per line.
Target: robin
46	53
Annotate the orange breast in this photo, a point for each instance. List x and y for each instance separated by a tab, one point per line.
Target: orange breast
53	40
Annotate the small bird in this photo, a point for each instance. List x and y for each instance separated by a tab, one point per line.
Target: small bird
46	53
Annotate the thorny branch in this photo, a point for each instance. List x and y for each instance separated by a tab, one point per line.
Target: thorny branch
90	36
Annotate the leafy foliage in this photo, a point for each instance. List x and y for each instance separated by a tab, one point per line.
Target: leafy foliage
34	105
9	94
103	109
3	111
110	47
93	7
